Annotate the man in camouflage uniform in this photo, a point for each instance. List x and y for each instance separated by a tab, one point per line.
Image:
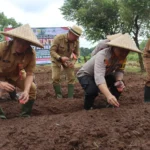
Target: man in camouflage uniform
146	61
64	53
17	66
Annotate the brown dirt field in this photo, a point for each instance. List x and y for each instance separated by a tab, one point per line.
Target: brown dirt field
64	125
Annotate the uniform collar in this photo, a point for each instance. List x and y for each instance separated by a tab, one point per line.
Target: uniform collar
15	53
66	37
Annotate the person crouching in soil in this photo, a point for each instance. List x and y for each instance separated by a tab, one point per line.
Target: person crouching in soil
64	53
17	65
104	71
146	61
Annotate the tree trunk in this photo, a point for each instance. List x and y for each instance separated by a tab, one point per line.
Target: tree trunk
141	62
137	44
140	56
85	60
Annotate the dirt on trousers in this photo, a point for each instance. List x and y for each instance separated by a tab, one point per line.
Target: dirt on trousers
64	125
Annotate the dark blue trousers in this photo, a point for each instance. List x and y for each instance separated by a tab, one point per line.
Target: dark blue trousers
91	89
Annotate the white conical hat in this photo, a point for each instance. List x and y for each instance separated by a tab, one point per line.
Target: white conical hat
23	32
114	36
126	42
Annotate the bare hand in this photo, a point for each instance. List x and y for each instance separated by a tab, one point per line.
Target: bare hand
6	86
24	97
112	100
64	59
70	64
120	85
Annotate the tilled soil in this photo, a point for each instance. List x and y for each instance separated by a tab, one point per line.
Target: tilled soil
64	125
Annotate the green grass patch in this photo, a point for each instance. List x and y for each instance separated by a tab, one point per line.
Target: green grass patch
132	57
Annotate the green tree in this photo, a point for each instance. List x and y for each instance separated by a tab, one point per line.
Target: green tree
136	17
143	44
5	22
102	17
85	52
98	17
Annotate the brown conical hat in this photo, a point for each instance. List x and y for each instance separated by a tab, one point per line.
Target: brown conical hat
114	36
126	42
23	32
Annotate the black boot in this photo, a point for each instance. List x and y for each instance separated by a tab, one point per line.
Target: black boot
146	94
13	95
88	102
26	109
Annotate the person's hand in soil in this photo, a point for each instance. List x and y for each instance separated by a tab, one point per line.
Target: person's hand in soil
6	86
112	100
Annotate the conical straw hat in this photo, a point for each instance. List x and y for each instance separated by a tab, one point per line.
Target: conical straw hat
114	36
126	42
23	32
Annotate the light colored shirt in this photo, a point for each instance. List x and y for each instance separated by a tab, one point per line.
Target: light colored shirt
102	64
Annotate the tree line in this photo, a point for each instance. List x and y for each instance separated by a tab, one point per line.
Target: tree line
100	18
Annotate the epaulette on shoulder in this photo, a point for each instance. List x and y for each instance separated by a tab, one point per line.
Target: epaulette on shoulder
60	36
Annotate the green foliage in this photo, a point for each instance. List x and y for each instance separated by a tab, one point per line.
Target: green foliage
132	69
102	17
132	57
85	54
136	16
143	44
85	51
5	22
98	17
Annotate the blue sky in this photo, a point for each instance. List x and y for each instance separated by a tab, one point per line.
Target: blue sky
38	13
